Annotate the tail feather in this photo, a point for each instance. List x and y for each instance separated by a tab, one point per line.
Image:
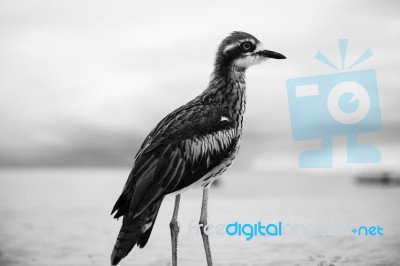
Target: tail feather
135	232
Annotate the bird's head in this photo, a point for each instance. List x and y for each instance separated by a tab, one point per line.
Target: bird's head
241	50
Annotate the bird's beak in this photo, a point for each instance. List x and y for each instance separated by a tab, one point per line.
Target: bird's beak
271	54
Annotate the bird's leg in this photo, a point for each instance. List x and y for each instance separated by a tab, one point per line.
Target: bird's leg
203	224
174	226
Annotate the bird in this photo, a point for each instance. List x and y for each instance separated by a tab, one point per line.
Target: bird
191	147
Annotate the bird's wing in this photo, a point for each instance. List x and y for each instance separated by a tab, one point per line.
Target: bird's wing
182	148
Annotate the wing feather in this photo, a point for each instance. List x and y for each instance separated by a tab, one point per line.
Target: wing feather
184	147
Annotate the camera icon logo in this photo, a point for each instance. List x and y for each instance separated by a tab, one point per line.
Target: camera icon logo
325	106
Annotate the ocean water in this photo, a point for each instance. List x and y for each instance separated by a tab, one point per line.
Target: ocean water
62	216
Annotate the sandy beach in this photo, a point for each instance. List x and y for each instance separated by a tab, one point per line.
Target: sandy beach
61	217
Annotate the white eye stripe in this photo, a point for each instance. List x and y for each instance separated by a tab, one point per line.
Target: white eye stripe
223	118
230	46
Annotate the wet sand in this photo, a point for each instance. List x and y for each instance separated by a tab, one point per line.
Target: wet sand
61	217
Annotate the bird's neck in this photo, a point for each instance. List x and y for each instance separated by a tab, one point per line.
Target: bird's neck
227	89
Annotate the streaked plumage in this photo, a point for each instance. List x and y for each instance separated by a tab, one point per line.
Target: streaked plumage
191	146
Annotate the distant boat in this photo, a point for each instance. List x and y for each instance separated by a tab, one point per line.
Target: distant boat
385	179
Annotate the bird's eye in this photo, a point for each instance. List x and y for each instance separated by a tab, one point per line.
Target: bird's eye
246	46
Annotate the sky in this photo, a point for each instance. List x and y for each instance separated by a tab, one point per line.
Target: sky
83	82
